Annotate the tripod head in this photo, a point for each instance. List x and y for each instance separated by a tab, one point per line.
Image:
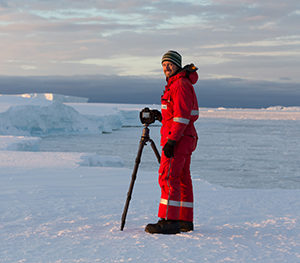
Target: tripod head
148	116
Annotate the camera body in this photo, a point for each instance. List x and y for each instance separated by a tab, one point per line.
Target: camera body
148	116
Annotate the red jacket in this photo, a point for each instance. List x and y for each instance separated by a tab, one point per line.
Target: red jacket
179	108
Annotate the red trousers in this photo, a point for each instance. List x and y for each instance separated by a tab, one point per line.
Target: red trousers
175	181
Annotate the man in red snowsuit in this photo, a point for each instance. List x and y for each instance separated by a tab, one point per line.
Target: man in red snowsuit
179	109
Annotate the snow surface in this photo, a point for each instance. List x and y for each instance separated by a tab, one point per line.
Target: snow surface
65	204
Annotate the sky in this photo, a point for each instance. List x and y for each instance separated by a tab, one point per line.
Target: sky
250	42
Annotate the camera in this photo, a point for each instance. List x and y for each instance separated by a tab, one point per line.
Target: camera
148	116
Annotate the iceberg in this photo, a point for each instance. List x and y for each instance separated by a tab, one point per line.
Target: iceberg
55	118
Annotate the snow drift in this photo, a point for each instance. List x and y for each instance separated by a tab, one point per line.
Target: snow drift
19	143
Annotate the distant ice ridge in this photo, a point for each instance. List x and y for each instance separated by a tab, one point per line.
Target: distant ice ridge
270	113
282	108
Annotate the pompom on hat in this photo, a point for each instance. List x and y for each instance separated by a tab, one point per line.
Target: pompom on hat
172	56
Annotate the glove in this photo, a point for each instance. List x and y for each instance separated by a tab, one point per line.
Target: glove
157	115
169	148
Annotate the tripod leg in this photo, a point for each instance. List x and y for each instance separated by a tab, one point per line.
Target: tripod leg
133	178
155	150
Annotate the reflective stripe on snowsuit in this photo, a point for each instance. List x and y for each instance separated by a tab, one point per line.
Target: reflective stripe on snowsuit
179	112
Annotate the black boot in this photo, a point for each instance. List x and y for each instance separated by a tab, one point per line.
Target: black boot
163	227
186	226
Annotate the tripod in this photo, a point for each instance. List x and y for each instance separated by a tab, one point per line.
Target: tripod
143	141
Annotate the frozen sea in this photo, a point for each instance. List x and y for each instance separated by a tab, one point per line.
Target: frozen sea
231	153
65	168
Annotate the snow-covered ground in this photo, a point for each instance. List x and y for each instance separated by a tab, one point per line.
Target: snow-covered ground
65	168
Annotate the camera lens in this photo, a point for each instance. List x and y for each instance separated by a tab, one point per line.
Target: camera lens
146	114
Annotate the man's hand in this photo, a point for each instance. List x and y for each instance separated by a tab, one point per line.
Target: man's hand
169	148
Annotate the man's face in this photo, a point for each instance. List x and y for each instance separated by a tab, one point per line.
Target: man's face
169	68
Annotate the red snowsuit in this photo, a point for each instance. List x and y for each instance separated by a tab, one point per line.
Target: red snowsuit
179	108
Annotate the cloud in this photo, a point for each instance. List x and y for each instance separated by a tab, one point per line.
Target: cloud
124	66
128	37
226	92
